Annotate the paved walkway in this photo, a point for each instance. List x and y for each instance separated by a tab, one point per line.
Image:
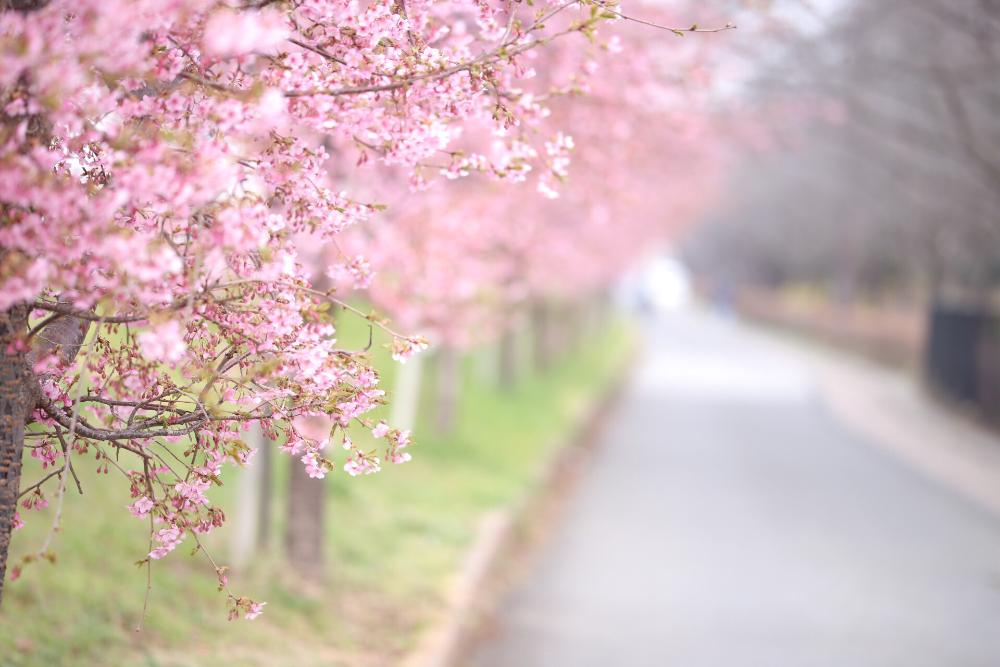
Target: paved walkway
755	502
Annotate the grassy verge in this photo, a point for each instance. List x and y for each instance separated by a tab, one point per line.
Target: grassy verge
393	540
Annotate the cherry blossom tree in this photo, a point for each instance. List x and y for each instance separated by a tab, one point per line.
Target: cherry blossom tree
463	264
162	166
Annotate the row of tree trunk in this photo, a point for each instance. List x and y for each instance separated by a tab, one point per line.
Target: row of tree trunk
553	332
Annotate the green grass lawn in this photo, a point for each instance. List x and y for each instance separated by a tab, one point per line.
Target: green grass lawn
393	540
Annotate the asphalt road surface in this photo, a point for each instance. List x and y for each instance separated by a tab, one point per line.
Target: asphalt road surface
728	519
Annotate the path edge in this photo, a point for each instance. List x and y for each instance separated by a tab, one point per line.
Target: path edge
486	574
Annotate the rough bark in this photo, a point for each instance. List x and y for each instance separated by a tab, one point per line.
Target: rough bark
15	403
19	393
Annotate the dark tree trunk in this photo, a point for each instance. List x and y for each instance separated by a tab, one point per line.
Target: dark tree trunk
16	400
18	395
305	526
448	381
304	521
22	5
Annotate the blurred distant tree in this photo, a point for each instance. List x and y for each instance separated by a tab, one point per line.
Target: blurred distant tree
877	169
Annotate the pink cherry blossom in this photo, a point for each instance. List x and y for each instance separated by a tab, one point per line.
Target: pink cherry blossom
404	348
167	540
315	465
359	464
181	181
164	342
192	492
255	610
141	507
229	32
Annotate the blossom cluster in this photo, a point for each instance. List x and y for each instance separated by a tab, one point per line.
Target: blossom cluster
631	161
165	167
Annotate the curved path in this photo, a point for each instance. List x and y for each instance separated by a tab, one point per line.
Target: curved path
730	519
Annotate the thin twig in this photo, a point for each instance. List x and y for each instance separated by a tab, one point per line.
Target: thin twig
677	31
